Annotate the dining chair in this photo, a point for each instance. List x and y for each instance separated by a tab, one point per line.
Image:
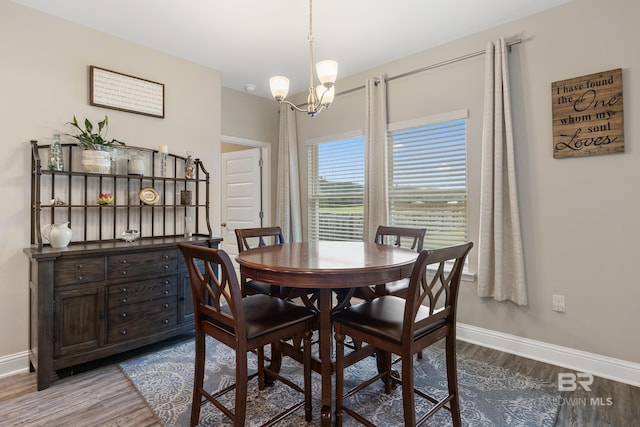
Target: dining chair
248	238
245	324
405	326
412	238
408	237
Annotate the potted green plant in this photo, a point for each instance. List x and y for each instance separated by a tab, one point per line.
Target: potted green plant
91	139
97	151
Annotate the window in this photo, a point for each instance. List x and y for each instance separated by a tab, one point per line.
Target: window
336	195
426	174
427	179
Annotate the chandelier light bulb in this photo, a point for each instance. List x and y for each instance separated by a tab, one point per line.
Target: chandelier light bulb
327	71
325	95
279	87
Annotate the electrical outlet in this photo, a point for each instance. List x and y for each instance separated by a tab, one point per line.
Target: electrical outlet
557	303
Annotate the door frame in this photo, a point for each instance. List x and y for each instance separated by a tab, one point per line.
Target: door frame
265	152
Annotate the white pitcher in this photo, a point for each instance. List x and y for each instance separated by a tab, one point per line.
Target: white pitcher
59	235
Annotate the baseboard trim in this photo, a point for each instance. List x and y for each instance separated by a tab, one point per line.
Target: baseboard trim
581	361
14	363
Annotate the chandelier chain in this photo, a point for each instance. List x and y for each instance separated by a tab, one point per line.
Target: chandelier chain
310	43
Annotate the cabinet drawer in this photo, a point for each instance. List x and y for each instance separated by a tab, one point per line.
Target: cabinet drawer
145	264
127	294
125	316
146	323
79	270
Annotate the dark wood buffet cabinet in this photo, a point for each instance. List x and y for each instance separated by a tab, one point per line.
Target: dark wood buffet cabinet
103	296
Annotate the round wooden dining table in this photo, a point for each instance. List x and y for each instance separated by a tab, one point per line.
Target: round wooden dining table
326	266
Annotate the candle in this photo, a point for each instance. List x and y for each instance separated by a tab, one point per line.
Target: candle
163	149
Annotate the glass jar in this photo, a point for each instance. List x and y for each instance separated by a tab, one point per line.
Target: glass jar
55	154
135	165
189	167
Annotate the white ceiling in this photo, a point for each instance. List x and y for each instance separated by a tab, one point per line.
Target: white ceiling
249	41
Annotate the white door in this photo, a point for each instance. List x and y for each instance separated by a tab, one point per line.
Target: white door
241	195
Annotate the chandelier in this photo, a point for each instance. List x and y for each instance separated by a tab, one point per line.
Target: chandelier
320	96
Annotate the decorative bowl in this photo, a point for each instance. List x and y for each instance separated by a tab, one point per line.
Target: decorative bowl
105	199
130	236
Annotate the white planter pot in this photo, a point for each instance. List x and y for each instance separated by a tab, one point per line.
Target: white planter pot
96	161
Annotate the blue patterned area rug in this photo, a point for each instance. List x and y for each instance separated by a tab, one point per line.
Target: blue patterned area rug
489	395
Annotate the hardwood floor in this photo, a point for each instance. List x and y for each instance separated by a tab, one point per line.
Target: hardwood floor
608	404
100	395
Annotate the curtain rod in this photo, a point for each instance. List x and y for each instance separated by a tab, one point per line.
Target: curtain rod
428	67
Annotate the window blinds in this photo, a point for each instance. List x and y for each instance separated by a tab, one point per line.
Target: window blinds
336	195
427	181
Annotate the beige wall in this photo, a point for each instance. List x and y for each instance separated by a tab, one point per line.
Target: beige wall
579	216
44	82
248	117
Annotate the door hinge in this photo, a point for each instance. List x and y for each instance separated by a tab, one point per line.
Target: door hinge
260	163
261	214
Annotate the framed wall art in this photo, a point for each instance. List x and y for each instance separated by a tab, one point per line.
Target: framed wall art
123	92
588	115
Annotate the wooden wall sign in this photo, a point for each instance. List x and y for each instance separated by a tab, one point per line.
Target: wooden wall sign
118	91
588	115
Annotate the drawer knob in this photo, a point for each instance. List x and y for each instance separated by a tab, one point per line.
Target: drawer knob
166	291
165	266
123	332
123	315
166	305
80	277
123	272
165	282
165	321
124	261
165	256
124	290
124	300
80	266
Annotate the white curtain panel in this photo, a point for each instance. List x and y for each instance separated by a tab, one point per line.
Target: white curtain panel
288	181
500	255
375	157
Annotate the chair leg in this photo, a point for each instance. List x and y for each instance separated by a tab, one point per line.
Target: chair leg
198	378
260	368
339	377
241	387
452	380
307	376
408	398
383	362
275	364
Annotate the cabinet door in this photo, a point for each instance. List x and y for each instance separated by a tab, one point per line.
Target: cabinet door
185	299
78	318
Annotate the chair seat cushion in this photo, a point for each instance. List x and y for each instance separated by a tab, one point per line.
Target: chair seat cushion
255	287
265	314
382	317
398	288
